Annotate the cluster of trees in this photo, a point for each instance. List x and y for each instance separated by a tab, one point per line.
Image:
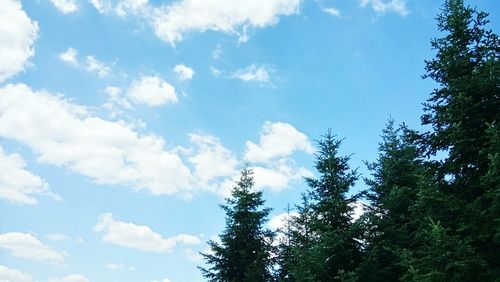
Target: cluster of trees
433	197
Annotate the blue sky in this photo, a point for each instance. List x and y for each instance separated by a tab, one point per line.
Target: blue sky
123	123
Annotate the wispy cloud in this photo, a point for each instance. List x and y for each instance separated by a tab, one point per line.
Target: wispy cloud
65	6
332	11
27	246
383	6
139	237
90	63
253	73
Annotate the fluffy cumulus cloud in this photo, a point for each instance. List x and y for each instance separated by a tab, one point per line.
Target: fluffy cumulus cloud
173	22
277	175
13	275
27	246
152	91
71	278
67	135
17	185
277	140
383	6
279	221
18	33
139	237
184	72
65	6
70	56
211	160
253	73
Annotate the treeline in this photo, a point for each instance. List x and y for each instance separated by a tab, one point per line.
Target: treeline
433	197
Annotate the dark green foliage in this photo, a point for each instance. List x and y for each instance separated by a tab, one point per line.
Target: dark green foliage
326	249
244	253
467	68
388	227
463	113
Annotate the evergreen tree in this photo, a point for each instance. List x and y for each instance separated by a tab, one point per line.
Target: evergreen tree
285	258
301	264
462	111
333	253
396	177
245	250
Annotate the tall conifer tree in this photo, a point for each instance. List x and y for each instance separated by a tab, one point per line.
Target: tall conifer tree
245	250
463	111
333	253
396	177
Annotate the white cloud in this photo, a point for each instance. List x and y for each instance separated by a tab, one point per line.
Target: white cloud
277	140
131	6
65	6
25	245
211	160
103	6
70	56
279	221
215	71
90	64
13	275
381	6
57	237
359	209
152	91
98	67
116	266
18	34
116	102
173	22
332	11
253	73
184	72
273	167
277	175
66	134
71	278
18	185
139	237
164	280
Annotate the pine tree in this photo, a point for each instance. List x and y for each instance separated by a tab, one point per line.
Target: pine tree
461	112
396	177
300	265
333	253
245	250
285	257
